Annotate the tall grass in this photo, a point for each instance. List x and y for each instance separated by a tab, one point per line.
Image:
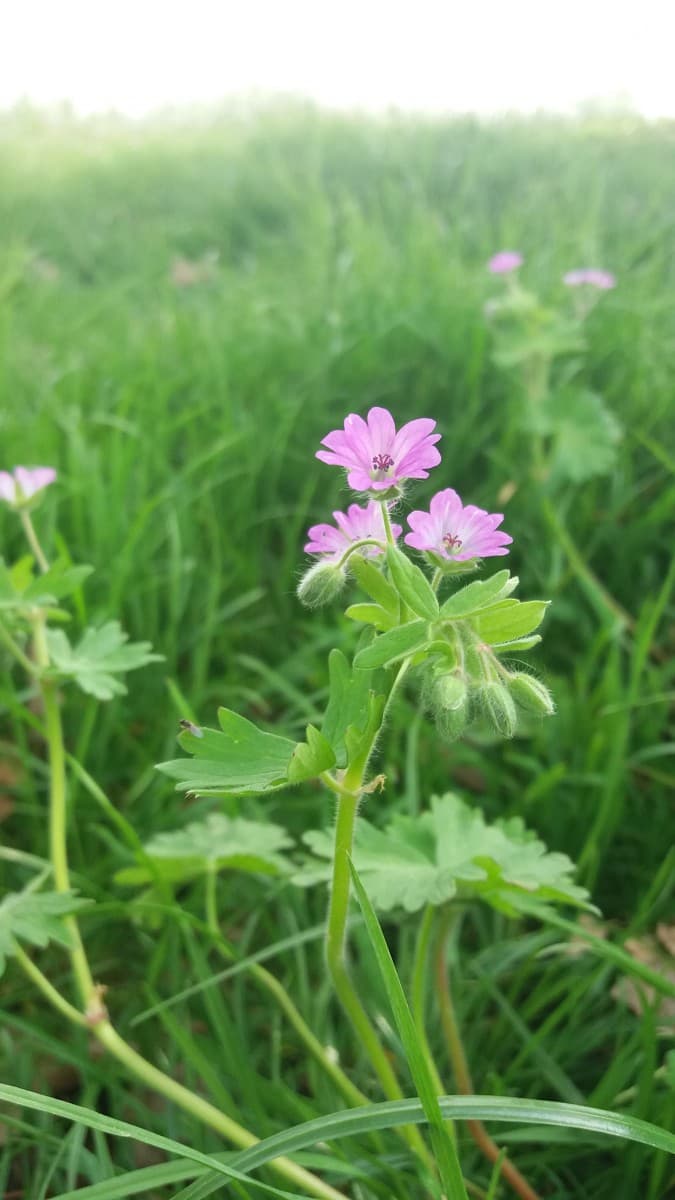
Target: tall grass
347	267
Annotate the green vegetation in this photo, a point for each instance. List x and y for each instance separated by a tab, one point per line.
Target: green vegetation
185	310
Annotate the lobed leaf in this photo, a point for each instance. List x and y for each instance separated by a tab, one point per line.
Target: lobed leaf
237	759
36	918
217	843
450	850
99	657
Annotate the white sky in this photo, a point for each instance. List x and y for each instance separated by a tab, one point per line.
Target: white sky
436	55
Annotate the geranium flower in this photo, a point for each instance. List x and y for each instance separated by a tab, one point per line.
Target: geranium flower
19	485
331	541
591	276
455	531
505	261
377	457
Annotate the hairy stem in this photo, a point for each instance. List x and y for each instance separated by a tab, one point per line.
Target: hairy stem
32	539
460	1067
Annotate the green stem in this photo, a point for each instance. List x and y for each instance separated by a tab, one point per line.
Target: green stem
389	533
356	546
42	983
276	989
14	648
347	807
32	539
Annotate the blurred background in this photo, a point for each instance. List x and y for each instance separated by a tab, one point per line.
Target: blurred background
224	227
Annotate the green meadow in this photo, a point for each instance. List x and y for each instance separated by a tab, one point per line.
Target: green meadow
187	307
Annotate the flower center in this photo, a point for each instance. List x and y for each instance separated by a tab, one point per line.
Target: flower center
382	462
452	542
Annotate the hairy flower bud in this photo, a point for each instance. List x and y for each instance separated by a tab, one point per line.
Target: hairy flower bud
531	694
321	584
499	708
447	698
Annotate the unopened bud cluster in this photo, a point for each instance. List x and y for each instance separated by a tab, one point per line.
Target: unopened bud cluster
479	687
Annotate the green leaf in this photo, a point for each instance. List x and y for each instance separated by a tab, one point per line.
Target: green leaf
371	580
348	702
584	435
217	843
412	584
443	1146
36	918
90	1119
98	658
371	614
59	581
479	594
525	643
241	760
391	646
592	1122
509	620
310	758
451	851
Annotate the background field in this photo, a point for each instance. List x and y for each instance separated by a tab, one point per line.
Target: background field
185	311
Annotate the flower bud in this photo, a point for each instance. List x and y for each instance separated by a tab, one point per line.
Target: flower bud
531	694
321	584
447	698
499	708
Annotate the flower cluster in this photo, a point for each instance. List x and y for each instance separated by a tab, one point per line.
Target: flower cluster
379	459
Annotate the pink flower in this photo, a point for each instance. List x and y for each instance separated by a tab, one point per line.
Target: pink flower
505	261
457	532
357	523
19	485
592	276
378	458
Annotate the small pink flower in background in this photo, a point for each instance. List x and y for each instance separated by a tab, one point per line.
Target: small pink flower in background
457	532
19	485
376	456
505	261
357	523
590	276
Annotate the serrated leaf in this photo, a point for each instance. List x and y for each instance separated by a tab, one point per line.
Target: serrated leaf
217	843
412	584
584	435
479	594
237	759
371	614
509	620
391	646
348	702
59	581
451	850
99	657
36	918
311	757
371	580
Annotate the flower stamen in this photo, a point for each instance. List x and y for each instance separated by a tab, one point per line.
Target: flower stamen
452	542
382	462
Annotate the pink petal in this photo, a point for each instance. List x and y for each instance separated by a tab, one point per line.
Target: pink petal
7	487
382	431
